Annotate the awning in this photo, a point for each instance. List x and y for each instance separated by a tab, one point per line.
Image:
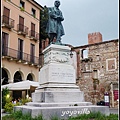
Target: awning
23	85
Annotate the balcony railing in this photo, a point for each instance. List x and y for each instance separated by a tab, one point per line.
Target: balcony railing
22	29
34	35
18	55
7	22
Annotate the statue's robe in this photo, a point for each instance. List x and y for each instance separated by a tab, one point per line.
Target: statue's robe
54	23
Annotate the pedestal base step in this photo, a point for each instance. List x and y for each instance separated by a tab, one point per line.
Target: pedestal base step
63	104
61	112
58	96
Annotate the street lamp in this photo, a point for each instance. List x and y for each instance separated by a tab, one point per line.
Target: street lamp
71	54
95	82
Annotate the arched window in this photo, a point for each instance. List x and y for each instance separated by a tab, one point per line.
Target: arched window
4	77
17	77
29	77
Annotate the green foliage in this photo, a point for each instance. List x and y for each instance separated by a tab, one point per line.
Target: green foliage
34	16
18	115
8	99
95	116
39	117
43	23
8	107
5	92
22	9
23	101
54	118
17	104
112	117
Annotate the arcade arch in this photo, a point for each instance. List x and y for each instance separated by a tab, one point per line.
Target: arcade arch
5	76
18	76
31	77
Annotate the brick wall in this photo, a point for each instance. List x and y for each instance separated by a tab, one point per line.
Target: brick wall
102	57
94	38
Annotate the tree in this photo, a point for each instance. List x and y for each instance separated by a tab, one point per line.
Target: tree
43	23
5	92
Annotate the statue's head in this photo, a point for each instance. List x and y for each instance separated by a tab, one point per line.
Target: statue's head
57	3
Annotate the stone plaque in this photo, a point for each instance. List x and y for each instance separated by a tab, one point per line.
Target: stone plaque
56	73
62	74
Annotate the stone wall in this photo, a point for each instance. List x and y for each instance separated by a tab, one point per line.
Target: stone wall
102	58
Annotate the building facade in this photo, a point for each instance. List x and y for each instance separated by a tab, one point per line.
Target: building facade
96	66
20	40
97	69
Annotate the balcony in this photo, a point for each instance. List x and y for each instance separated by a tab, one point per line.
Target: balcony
13	54
7	22
34	35
21	29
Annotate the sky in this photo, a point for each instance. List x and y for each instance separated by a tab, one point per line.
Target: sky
82	17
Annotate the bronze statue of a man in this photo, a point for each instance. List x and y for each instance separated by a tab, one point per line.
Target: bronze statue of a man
54	26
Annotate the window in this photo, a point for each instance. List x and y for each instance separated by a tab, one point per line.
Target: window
87	67
32	29
21	24
4	43
20	49
33	12
84	53
32	52
6	14
97	57
22	4
95	74
111	64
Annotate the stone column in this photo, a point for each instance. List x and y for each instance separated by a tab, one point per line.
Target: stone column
23	94
112	95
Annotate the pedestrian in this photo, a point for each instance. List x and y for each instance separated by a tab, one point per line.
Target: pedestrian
15	101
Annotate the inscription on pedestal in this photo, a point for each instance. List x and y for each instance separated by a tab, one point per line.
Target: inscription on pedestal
60	74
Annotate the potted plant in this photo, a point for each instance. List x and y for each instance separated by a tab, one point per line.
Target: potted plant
22	9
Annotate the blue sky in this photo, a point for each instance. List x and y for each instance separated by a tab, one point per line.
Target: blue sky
82	17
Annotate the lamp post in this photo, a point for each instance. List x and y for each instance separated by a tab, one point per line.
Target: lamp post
95	83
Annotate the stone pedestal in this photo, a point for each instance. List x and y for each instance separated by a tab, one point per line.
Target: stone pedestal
58	95
57	77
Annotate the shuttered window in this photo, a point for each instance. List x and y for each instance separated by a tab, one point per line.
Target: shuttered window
32	52
33	29
21	23
4	43
20	49
6	14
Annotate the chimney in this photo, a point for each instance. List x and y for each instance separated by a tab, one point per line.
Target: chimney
94	38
